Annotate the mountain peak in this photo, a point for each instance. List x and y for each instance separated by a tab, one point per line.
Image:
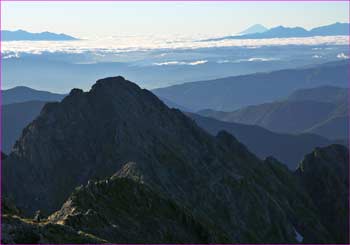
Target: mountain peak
117	127
75	91
115	79
110	90
117	82
98	132
257	28
337	29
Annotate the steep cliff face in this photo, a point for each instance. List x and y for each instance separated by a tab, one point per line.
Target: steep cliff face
91	135
324	174
119	128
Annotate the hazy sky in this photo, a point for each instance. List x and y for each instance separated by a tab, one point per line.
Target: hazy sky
91	19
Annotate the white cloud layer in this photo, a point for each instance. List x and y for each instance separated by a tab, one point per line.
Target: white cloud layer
258	59
193	63
342	56
127	44
253	59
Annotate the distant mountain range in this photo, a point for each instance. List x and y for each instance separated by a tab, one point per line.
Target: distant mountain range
15	117
20	105
116	165
231	93
336	29
254	29
322	110
23	94
21	35
287	148
60	71
254	32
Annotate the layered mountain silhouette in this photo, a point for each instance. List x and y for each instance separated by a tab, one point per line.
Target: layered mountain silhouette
18	115
336	29
14	119
20	105
287	148
326	94
24	94
257	28
231	93
64	71
167	175
21	35
322	110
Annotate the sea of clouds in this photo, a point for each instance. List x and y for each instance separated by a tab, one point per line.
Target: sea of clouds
124	44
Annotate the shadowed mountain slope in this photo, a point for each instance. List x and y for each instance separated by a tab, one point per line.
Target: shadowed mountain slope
128	211
119	128
324	174
289	149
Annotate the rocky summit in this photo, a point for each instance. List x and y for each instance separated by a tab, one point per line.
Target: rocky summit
171	181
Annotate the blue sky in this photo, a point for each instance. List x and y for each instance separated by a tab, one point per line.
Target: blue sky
91	19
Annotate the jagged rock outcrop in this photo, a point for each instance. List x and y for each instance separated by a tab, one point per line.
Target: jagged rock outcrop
324	174
122	210
16	229
20	230
118	127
